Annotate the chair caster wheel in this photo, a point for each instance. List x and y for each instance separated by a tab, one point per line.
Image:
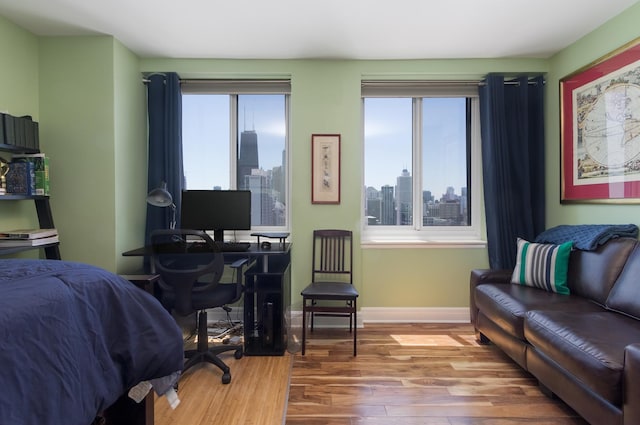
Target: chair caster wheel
226	378
238	354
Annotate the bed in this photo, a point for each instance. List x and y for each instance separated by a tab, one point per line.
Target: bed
74	339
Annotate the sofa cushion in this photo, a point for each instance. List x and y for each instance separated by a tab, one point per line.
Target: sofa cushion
589	346
593	273
543	266
625	294
506	304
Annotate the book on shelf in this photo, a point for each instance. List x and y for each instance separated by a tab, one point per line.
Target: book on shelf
13	243
21	179
40	168
28	233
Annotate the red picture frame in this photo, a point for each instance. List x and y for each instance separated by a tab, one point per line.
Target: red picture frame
600	130
325	169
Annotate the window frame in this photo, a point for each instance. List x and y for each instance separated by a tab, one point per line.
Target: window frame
418	235
233	88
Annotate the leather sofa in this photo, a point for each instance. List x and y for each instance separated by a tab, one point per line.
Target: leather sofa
583	347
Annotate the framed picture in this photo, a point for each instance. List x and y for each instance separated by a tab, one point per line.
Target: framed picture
600	130
325	169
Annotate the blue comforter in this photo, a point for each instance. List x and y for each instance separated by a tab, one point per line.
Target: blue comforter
74	338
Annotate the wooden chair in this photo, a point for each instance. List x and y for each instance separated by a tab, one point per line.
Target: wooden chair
331	292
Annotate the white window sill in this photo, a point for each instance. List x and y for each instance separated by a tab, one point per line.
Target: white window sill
384	244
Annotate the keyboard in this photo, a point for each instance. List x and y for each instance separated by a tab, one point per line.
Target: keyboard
234	246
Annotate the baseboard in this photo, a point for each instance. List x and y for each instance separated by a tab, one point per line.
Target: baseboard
371	315
415	315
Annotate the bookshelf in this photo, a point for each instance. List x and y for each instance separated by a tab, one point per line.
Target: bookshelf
43	210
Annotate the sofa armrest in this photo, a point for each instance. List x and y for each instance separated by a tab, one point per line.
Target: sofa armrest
631	384
480	276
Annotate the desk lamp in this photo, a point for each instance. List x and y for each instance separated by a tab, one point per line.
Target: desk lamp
160	197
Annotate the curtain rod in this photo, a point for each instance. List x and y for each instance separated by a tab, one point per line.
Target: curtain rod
514	83
434	83
409	82
146	80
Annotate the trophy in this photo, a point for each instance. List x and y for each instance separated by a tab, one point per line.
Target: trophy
4	169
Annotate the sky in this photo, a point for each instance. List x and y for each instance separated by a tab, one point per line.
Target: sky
388	133
388	150
205	130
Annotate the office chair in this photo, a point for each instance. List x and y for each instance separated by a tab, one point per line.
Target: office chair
331	292
190	266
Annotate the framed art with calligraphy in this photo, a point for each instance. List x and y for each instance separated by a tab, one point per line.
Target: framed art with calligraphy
600	130
325	169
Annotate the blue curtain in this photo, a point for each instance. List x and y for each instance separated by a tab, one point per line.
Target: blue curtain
512	126
164	106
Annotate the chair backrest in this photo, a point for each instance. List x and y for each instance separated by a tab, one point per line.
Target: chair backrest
183	257
332	255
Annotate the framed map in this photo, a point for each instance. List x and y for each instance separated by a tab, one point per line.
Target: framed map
600	129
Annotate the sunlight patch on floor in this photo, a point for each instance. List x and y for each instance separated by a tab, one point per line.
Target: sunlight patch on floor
426	341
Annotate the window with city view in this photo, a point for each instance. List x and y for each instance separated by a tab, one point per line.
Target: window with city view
418	160
238	141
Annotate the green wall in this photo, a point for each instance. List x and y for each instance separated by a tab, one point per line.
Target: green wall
93	120
88	95
19	95
130	157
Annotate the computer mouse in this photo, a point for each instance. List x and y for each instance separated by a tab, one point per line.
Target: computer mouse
265	245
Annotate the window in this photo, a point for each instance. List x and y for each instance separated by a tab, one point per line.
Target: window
235	136
421	162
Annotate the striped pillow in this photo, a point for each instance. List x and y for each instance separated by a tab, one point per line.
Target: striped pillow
543	266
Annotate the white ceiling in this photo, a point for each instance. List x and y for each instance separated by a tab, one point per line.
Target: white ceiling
340	29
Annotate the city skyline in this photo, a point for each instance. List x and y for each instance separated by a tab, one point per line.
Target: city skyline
206	117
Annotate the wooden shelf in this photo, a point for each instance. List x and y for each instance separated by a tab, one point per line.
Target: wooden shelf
17	149
13	197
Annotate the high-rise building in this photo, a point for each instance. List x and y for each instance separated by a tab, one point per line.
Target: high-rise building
388	207
247	156
450	195
464	206
404	196
374	211
262	203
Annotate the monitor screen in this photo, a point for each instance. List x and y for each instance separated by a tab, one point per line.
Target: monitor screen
216	210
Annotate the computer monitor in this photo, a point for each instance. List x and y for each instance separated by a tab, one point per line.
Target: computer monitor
216	210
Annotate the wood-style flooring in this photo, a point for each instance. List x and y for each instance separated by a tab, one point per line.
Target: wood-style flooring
404	374
256	395
433	374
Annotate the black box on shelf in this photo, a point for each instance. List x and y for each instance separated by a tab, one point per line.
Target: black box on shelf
19	129
9	129
21	132
2	138
36	135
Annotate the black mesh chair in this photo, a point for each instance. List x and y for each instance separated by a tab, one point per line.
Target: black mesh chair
331	292
190	266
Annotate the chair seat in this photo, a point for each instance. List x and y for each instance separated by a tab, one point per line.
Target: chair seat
330	291
202	300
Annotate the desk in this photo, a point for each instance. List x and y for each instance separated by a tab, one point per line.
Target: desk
267	296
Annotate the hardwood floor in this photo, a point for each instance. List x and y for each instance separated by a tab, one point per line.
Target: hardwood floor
414	374
431	374
256	395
